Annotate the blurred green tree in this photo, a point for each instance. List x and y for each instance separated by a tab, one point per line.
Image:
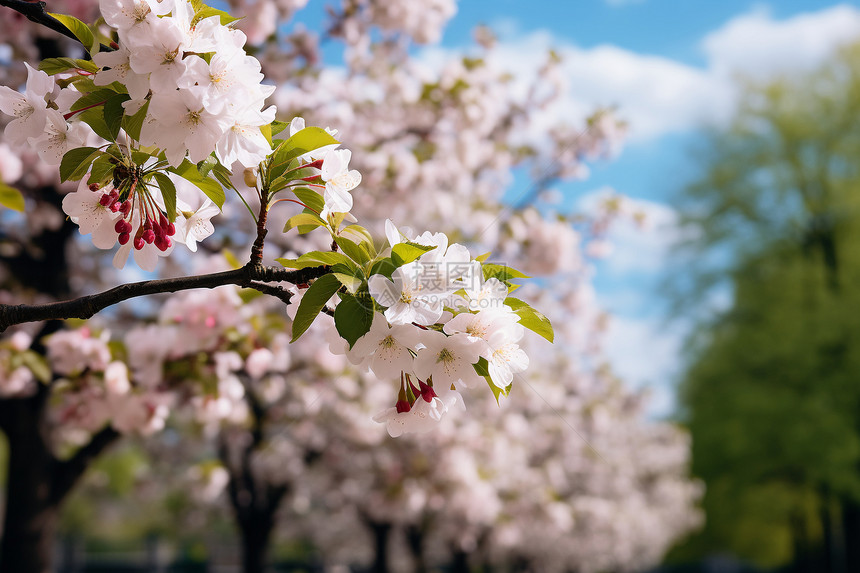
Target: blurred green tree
771	392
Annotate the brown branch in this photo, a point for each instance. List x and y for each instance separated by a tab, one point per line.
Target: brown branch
257	247
86	306
66	473
35	12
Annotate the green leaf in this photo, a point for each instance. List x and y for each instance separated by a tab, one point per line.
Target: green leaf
81	31
530	318
207	165
95	118
232	260
352	318
38	365
168	193
351	282
502	272
305	220
76	163
353	251
317	259
11	198
482	258
102	170
95	97
310	198
52	66
362	234
382	267
210	187
208	12
132	124
266	130
313	302
482	368
278	126
403	253
113	113
302	142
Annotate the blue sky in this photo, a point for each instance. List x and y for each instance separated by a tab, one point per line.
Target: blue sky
669	66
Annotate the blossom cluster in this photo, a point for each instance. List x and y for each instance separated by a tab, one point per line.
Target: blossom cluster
197	104
455	333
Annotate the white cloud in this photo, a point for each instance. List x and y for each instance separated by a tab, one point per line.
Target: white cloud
658	95
645	356
757	45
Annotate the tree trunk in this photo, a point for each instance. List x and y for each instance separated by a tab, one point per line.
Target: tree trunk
415	540
255	535
381	535
31	513
37	483
459	561
851	531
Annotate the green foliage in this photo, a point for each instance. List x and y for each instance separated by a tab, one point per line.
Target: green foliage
313	302
210	187
11	198
168	193
405	253
530	318
81	31
302	142
353	316
76	163
316	259
53	66
482	368
771	394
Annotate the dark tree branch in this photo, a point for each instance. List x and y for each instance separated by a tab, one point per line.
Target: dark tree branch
257	247
35	12
67	472
86	306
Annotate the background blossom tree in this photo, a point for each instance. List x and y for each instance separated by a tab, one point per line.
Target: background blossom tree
436	145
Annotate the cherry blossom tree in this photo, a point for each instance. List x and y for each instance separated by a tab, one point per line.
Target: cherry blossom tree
167	117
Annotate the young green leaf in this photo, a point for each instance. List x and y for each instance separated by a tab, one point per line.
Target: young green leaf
303	220
382	267
502	272
310	198
168	193
353	251
95	118
317	259
76	162
52	66
208	12
102	170
11	198
352	318
313	302
352	283
482	368
278	126
302	142
530	318
81	31
210	187
403	253
113	113
132	124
